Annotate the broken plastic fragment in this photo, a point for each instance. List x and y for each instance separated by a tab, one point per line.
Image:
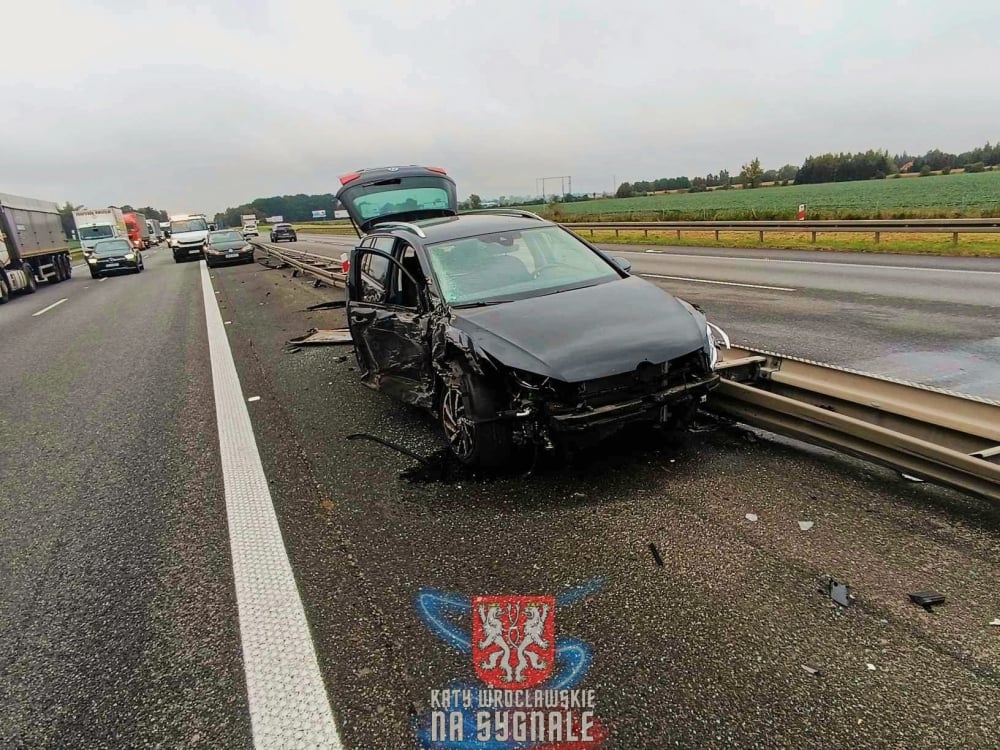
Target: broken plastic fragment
656	555
996	622
317	336
806	525
927	599
254	398
751	516
810	670
910	478
841	593
871	667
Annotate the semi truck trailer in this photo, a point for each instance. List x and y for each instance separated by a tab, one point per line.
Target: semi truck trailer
33	246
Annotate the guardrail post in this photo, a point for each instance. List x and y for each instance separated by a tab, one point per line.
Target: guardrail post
954	238
761	236
813	238
678	234
877	235
645	233
616	233
591	232
716	235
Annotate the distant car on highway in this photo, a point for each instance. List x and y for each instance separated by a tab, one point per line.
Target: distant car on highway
517	334
227	246
114	256
283	232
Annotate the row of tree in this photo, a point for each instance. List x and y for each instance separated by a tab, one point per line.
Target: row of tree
290	207
842	167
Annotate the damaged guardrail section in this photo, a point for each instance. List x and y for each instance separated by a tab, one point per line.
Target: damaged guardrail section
942	437
319	266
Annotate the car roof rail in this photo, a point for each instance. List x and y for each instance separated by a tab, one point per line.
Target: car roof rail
505	212
402	225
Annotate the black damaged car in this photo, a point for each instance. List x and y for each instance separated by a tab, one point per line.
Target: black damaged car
516	333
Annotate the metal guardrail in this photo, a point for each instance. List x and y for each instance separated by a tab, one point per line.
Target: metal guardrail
943	437
318	266
866	226
940	436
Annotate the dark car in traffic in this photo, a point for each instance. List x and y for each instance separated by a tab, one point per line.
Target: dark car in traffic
519	335
114	256
283	232
227	246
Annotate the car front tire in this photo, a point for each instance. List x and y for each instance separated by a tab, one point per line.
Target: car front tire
486	445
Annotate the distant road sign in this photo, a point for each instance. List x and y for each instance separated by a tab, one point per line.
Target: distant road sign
274	219
321	214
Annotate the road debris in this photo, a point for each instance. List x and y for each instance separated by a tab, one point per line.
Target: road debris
810	670
927	599
253	398
996	622
751	516
331	305
656	555
388	444
806	525
870	666
839	592
316	336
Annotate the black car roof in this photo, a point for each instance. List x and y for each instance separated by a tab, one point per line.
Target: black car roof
465	225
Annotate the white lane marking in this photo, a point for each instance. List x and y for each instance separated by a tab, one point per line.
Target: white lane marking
45	310
103	278
809	262
289	706
722	283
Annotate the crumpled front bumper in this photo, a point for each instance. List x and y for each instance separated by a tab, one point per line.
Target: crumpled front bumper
645	408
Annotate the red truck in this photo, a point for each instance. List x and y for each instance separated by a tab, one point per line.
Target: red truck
138	230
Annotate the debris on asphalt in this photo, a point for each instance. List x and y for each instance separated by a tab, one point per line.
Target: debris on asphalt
927	599
253	398
227	322
387	444
656	555
839	592
996	622
810	670
751	516
910	478
806	525
331	305
317	336
871	667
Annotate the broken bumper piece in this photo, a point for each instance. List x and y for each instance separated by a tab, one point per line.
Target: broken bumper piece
649	407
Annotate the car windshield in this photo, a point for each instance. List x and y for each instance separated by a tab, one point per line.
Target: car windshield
518	264
188	225
112	247
230	235
95	233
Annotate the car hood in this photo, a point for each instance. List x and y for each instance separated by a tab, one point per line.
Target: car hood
200	234
585	333
232	245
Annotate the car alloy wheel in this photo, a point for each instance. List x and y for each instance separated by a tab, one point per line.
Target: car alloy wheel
458	429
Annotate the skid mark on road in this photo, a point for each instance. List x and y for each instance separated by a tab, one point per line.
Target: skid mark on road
288	701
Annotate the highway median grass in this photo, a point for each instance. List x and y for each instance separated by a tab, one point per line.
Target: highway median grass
969	245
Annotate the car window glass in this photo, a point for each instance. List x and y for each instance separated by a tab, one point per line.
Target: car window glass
378	266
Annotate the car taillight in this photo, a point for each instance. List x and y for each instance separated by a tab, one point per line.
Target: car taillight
349	177
439	170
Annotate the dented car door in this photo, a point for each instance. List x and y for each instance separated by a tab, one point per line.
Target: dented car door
390	332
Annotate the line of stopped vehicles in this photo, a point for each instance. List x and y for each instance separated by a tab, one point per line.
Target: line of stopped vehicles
521	337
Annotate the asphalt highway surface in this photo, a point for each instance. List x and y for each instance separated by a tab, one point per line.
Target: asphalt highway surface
697	608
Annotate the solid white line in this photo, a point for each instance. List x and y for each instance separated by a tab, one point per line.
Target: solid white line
54	304
809	262
288	702
722	283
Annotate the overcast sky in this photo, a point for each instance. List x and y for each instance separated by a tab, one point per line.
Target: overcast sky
200	106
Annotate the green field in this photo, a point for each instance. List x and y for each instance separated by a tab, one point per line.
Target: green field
937	196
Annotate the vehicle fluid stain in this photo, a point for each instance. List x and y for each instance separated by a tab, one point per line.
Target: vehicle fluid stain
955	370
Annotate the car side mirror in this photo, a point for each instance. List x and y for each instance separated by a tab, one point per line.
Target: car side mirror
623	263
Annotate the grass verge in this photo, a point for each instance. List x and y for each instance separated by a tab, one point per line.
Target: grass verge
969	245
